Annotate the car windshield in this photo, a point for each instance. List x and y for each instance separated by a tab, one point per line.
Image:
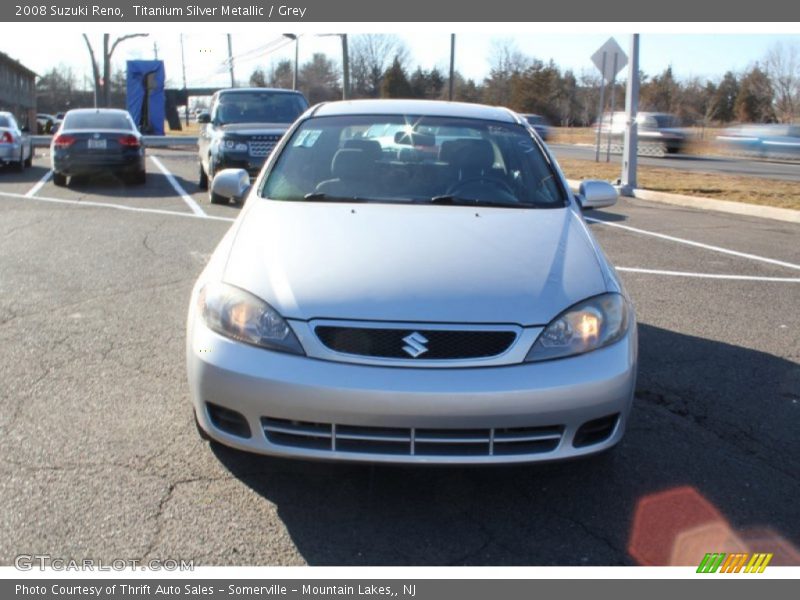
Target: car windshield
413	159
665	121
97	120
258	107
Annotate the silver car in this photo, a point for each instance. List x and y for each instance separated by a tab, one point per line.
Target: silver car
429	296
15	143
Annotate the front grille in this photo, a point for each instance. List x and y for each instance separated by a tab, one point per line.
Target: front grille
437	344
401	441
262	145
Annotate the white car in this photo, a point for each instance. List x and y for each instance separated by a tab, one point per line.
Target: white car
16	148
435	297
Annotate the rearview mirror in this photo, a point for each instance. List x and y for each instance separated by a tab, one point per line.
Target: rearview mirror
232	184
596	194
204	118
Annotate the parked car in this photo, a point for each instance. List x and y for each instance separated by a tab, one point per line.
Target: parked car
94	141
540	124
657	133
243	127
45	123
16	148
448	307
777	141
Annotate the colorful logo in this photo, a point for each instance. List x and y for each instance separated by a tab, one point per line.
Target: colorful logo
714	562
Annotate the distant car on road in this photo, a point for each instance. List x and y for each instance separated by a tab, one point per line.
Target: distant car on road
242	128
762	141
93	141
539	124
15	143
658	133
45	123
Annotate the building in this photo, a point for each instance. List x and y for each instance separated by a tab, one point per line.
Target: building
18	90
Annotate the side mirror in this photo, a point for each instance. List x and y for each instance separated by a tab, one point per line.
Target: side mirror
596	194
232	184
204	118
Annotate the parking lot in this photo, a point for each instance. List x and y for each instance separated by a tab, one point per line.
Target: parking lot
102	460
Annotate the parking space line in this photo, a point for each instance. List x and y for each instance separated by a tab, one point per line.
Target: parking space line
708	275
119	207
670	238
39	184
177	187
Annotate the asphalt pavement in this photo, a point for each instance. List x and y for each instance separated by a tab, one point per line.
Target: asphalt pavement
726	165
101	458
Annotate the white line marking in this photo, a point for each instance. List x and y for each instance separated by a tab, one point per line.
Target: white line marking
118	207
177	187
670	238
708	275
39	185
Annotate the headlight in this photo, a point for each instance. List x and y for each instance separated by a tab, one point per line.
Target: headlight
584	327
234	146
240	315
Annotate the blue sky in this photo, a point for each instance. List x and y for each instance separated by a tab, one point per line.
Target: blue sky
701	55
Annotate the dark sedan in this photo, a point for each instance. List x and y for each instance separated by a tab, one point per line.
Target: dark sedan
95	141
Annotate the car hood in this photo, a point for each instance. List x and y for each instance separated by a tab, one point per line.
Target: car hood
414	263
255	128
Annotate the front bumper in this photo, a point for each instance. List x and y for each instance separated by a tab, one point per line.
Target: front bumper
279	394
239	160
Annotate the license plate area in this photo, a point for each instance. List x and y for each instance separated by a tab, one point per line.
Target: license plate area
97	144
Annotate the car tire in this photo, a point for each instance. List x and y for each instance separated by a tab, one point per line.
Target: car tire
59	179
202	182
19	166
29	160
217	199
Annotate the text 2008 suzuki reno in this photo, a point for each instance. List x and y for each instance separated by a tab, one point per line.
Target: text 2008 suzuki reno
411	282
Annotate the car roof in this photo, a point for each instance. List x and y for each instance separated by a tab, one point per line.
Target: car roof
96	110
433	108
258	89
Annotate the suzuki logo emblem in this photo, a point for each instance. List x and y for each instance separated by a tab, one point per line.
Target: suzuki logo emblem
415	344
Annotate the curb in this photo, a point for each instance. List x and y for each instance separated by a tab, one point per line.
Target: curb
738	208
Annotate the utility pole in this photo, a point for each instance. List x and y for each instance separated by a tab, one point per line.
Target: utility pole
183	68
230	60
296	38
345	68
452	64
628	180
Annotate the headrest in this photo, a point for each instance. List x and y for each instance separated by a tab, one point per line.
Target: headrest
468	153
371	148
348	163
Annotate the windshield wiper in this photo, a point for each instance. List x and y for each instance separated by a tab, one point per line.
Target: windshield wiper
323	197
461	201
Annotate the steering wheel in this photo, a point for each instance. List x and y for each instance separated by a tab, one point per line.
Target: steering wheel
491	179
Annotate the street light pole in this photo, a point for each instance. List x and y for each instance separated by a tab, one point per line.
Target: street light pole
452	64
183	68
230	60
345	68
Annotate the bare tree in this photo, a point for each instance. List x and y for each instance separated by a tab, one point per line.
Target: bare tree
102	84
505	63
783	67
371	55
